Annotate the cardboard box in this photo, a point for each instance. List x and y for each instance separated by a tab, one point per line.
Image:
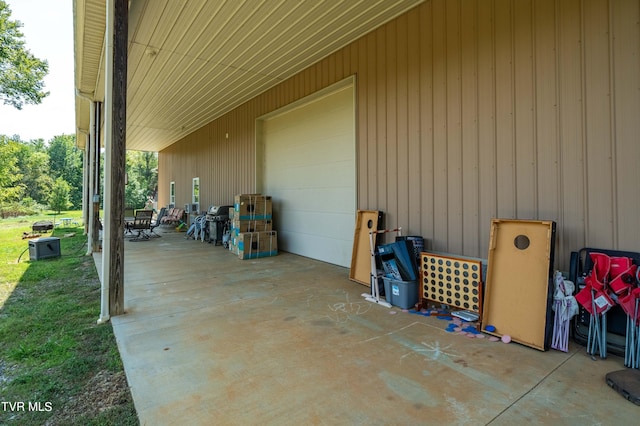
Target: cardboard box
232	213
233	242
253	245
251	225
252	207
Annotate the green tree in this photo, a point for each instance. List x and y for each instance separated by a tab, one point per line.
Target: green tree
33	162
142	175
11	187
21	73
65	160
36	177
134	196
59	198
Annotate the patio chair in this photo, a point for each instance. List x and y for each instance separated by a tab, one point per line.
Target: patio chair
174	217
168	214
129	213
155	223
141	224
197	228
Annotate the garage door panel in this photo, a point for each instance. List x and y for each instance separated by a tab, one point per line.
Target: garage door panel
337	175
298	120
299	135
307	223
291	156
313	246
297	200
309	170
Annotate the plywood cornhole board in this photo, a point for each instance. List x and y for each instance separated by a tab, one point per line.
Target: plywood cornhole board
366	221
518	290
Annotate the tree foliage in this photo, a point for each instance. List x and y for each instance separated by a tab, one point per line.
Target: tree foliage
11	186
36	173
142	170
26	176
59	197
37	178
65	161
21	73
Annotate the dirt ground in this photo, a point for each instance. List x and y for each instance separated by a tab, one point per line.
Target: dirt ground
105	390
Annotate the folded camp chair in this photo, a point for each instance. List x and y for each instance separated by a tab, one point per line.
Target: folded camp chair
142	225
157	222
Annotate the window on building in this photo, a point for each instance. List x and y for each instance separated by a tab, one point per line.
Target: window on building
195	195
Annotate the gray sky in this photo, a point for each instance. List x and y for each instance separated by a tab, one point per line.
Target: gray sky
48	31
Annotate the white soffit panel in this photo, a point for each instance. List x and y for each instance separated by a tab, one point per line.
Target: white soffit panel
191	62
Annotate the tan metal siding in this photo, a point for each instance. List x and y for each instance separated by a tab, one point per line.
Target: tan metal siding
487	132
426	107
546	111
469	130
469	110
626	107
439	159
597	122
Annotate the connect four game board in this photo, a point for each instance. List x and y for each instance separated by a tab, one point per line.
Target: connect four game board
452	281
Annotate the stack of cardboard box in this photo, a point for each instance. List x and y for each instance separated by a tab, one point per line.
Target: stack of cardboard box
252	234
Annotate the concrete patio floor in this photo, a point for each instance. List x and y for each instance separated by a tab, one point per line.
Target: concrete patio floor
208	338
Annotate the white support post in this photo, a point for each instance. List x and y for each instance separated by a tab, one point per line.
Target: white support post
108	140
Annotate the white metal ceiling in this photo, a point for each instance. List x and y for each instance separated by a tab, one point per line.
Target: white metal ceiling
191	61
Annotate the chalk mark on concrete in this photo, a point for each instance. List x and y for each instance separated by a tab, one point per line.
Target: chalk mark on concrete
343	311
433	351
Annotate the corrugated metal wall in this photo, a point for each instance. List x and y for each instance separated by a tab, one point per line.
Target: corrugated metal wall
469	110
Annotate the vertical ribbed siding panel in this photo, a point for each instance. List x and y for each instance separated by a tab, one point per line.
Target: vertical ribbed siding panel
331	65
570	121
546	112
363	154
413	124
453	139
486	107
400	115
370	183
523	101
505	133
381	171
440	240
597	120
469	127
390	109
427	223
626	104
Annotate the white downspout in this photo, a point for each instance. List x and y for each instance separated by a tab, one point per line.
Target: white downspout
108	141
92	173
86	181
85	185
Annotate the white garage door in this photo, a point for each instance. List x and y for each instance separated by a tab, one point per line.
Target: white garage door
309	169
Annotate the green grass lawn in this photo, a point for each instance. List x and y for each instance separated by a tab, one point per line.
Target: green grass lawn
57	366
